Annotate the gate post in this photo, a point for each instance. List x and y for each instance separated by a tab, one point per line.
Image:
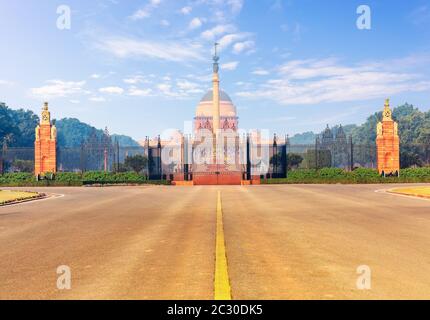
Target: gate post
317	142
1	161
287	144
160	169
83	158
275	157
248	158
352	152
117	155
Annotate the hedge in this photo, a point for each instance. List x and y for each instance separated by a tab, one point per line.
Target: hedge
301	176
110	177
76	179
360	175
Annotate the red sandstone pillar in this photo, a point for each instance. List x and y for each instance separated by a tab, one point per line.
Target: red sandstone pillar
388	144
45	144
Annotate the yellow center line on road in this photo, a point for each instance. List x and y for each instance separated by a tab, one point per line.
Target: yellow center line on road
222	282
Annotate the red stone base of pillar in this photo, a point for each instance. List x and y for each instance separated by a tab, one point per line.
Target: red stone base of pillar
222	178
255	180
183	183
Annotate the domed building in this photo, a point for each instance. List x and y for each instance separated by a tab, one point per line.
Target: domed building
215	154
204	111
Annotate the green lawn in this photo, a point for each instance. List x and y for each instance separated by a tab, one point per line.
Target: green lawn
414	191
8	196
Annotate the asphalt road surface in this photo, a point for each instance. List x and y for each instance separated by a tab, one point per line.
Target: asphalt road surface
281	242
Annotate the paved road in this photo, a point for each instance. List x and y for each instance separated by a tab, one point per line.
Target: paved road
282	242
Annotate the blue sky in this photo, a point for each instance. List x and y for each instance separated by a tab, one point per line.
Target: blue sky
140	67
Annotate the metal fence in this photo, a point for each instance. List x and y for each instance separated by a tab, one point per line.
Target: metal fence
282	157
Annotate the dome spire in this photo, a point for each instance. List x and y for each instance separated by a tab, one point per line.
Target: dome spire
215	93
215	58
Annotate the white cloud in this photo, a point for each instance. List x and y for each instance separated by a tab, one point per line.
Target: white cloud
205	78
243	46
136	92
195	23
6	83
140	14
186	10
187	85
74	101
235	5
146	11
59	88
112	90
230	38
165	23
136	79
218	30
260	72
165	88
170	51
321	81
230	65
97	99
183	89
95	76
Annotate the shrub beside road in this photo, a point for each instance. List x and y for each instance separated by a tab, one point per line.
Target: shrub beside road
76	179
358	176
300	176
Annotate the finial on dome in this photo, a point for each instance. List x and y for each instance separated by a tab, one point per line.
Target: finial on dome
45	106
216	58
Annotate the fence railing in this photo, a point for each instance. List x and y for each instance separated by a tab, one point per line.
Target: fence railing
281	157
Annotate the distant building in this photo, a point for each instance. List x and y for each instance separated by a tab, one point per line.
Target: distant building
327	139
335	147
228	116
215	153
341	156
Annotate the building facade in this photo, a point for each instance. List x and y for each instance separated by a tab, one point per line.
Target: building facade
204	119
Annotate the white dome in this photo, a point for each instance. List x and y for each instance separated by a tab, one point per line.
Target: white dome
227	108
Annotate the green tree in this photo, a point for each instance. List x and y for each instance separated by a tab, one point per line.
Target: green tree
23	165
25	121
8	131
72	133
137	162
294	160
410	159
